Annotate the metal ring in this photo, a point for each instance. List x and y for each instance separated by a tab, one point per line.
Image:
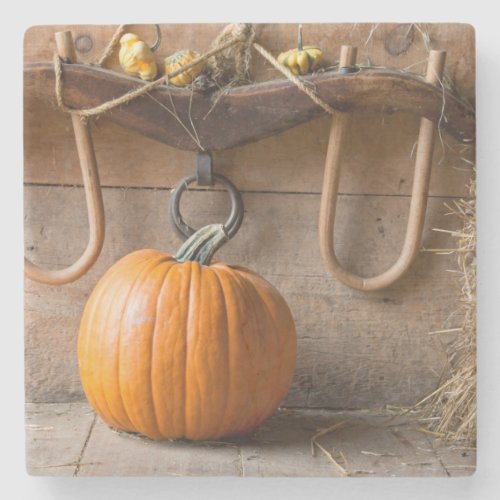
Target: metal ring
234	220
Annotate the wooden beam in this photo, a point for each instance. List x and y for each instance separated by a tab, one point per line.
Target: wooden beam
252	112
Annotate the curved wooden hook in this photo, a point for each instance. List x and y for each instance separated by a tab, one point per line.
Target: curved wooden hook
93	196
338	132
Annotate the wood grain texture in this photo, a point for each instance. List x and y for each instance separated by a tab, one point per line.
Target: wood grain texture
372	41
355	349
55	437
248	113
378	157
373	444
369	444
109	453
456	464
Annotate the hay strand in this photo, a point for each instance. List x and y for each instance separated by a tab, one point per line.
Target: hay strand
315	444
449	412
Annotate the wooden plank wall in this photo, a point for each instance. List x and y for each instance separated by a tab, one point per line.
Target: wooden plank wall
355	350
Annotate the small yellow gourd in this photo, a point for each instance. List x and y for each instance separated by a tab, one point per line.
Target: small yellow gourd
178	60
302	60
136	57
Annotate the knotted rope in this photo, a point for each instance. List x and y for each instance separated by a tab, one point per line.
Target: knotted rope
133	94
238	37
104	57
233	64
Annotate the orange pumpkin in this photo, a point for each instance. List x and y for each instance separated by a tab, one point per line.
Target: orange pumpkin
172	347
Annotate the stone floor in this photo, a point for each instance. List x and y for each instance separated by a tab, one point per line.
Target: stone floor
68	439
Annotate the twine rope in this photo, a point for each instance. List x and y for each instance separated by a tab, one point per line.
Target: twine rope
133	94
58	75
226	68
111	45
231	35
104	57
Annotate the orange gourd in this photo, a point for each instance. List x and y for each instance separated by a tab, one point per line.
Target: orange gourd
177	61
172	347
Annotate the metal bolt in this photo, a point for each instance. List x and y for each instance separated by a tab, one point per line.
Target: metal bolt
84	43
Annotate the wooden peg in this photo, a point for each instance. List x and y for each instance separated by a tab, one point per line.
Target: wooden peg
418	205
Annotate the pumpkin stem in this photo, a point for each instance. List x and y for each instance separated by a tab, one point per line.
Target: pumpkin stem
202	245
299	38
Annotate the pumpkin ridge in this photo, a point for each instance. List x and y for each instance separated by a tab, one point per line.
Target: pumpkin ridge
182	419
310	62
255	321
103	398
89	311
235	287
141	273
216	271
227	286
195	348
169	367
187	322
254	298
277	328
153	334
257	297
194	325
